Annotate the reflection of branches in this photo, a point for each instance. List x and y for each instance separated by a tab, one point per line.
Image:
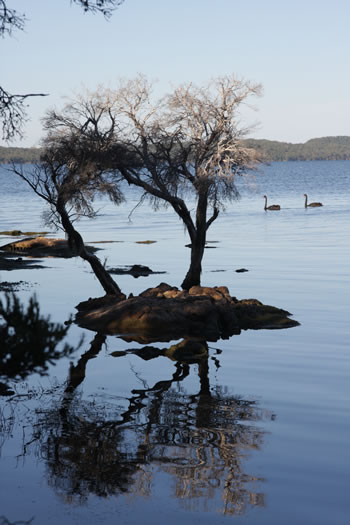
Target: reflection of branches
5	521
6	425
107	449
199	440
29	340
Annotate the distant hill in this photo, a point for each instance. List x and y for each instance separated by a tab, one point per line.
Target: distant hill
326	148
19	155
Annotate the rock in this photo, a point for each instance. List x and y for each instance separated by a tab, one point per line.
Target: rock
241	270
145	242
41	247
17	233
206	245
165	313
137	270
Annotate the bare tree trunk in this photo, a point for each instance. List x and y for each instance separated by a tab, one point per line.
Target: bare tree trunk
193	276
76	243
198	238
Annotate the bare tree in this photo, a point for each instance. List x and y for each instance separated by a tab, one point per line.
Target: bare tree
185	146
106	7
71	173
13	113
10	19
13	107
185	151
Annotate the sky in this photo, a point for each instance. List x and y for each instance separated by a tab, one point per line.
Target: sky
298	50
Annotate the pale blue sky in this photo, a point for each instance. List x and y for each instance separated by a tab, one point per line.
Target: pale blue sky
298	50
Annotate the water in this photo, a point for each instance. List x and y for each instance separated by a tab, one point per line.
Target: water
257	433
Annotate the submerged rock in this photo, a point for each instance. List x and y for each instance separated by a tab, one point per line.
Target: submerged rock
145	242
17	233
136	270
165	313
41	247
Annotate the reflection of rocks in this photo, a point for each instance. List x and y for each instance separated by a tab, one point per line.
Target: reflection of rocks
6	286
9	262
136	270
187	351
41	247
164	313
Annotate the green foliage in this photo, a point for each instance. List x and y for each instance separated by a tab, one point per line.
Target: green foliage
28	340
326	148
19	155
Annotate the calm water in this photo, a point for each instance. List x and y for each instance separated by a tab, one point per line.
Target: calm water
257	433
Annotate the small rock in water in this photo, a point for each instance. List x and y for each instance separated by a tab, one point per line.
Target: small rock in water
145	242
242	270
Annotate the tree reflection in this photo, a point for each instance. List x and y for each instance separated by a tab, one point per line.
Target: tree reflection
29	341
199	440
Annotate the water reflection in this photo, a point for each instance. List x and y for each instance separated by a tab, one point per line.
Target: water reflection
30	342
199	440
5	521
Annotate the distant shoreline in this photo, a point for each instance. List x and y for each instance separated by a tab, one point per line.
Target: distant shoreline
325	148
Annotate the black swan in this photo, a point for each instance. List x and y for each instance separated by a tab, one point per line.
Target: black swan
312	204
272	207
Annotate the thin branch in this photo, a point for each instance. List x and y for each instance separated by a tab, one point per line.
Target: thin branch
10	19
13	113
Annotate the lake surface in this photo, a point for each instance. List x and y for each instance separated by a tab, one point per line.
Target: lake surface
256	433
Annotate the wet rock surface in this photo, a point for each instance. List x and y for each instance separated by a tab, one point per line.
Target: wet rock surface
17	233
41	247
165	313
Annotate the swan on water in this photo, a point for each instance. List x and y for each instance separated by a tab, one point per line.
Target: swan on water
272	207
312	204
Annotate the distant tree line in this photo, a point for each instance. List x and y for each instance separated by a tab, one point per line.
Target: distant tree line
19	155
326	148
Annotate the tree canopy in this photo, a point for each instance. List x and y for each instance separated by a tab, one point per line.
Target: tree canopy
186	146
183	150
